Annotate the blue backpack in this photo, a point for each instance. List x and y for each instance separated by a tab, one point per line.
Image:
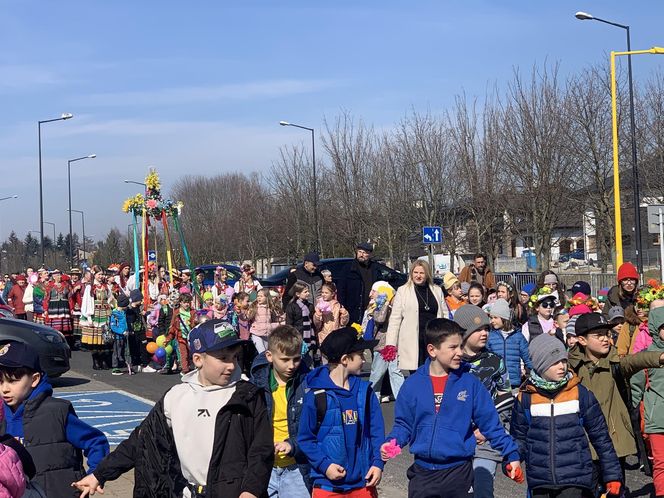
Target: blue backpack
118	322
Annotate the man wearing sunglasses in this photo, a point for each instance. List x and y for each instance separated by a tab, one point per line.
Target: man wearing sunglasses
541	315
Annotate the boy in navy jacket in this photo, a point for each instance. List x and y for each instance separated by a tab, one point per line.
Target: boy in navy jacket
437	411
341	425
281	374
48	427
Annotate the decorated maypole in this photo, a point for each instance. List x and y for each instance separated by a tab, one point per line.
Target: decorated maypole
151	207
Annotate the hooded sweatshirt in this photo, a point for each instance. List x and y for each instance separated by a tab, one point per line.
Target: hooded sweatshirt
192	401
360	449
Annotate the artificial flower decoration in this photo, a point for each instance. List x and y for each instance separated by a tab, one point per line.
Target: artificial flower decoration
653	291
358	329
537	296
581	299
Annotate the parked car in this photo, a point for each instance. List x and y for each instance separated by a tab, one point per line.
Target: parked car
234	273
338	267
578	254
54	352
5	310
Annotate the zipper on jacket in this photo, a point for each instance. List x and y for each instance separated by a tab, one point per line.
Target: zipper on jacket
440	408
551	448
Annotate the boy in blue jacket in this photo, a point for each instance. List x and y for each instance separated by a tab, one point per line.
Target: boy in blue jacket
437	411
552	419
341	425
48	427
280	373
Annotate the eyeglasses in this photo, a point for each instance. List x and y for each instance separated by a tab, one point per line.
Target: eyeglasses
548	304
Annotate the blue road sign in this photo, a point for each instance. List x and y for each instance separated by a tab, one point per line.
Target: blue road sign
115	413
432	235
152	255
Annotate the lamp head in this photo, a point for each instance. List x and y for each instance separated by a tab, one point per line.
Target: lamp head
657	50
284	123
67	115
92	156
14	196
584	16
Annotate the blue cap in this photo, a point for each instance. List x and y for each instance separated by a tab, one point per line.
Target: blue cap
213	335
529	288
16	354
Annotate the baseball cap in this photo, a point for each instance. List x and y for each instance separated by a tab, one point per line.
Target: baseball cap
15	354
616	315
344	341
589	322
213	335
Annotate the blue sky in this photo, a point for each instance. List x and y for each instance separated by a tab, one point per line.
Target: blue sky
199	87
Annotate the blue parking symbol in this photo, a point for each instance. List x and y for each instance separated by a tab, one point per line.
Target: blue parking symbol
115	413
432	235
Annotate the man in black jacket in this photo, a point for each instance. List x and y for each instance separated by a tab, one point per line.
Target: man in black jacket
308	273
211	434
353	291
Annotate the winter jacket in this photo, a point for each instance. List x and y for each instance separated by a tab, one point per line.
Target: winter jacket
15	299
174	331
27	299
533	327
264	322
599	379
263	378
513	350
12	479
652	395
551	429
350	433
164	319
615	299
404	325
313	280
642	339
55	438
626	338
469	274
380	318
241	460
329	320
445	439
294	315
352	292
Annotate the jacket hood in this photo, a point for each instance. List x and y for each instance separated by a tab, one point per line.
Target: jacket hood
192	380
260	371
655	321
319	378
44	387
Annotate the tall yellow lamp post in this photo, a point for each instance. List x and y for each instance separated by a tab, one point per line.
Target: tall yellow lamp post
616	168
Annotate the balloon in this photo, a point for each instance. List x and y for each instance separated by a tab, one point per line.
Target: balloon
161	353
151	347
161	340
169	349
156	359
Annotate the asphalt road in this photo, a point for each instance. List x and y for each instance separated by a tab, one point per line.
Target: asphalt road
395	485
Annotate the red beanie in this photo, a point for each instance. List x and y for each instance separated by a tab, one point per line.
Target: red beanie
627	270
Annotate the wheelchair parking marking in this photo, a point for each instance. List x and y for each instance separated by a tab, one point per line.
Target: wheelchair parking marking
116	413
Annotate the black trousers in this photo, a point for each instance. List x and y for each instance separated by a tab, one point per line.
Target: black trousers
571	492
456	482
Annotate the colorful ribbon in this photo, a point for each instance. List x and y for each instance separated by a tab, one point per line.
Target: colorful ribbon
136	256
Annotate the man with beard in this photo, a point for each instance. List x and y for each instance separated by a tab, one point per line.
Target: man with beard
353	291
478	272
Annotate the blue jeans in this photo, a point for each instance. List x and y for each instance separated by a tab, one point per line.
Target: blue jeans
287	482
378	368
485	472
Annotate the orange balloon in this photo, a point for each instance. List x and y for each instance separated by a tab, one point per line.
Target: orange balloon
151	347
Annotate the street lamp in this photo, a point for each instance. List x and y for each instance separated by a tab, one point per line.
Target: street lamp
584	16
136	183
63	117
53	243
616	169
71	234
313	157
83	223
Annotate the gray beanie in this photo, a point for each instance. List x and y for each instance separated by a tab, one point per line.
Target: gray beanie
471	318
501	308
546	350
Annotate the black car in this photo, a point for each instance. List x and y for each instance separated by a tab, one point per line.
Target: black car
54	352
338	267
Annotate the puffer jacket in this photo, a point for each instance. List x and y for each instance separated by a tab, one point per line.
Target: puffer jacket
12	479
551	428
598	377
512	350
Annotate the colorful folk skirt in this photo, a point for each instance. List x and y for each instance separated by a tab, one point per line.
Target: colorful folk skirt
38	318
92	334
59	317
76	322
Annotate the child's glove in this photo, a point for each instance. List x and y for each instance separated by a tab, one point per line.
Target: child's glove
390	449
613	488
518	473
389	353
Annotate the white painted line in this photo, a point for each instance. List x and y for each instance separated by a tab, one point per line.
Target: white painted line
119	422
136	397
144	414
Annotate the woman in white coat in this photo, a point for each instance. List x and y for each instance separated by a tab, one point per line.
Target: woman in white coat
415	303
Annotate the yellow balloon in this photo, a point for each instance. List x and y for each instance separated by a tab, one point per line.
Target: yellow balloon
161	340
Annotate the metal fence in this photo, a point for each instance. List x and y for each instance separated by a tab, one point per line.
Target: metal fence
597	280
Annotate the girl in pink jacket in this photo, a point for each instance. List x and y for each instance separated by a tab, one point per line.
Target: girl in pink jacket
330	314
264	318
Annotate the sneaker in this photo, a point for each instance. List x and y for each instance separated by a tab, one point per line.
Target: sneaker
148	369
164	371
117	371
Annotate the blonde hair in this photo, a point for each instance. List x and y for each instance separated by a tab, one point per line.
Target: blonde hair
420	263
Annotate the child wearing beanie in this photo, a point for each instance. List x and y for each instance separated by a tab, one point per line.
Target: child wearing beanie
508	342
556	452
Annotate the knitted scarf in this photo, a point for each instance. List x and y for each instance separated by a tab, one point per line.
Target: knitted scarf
549	385
307	335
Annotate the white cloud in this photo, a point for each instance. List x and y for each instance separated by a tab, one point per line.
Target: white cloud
196	94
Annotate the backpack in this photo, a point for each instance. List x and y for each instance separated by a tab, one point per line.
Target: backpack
118	322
